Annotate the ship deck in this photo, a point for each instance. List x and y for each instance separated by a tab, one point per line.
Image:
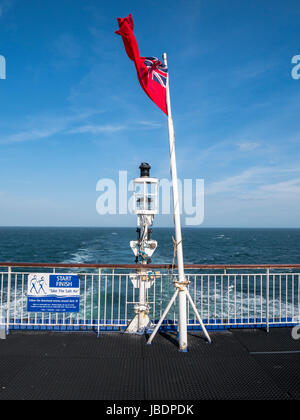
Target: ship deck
240	364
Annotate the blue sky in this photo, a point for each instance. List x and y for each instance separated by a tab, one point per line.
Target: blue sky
72	111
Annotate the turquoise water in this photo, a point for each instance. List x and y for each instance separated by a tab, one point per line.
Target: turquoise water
111	245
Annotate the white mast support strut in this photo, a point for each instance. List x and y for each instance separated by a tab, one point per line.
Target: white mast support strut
181	284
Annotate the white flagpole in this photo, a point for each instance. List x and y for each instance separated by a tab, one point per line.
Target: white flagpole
181	284
183	340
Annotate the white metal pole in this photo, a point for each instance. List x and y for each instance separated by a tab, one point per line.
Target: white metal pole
163	317
198	317
183	342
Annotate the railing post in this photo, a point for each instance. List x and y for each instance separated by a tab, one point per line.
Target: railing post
99	302
8	299
2	316
268	300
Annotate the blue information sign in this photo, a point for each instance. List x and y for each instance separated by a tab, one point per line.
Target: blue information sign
53	293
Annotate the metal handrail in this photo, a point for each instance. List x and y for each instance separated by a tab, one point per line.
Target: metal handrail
226	295
152	266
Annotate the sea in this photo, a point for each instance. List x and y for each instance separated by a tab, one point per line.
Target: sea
111	245
201	246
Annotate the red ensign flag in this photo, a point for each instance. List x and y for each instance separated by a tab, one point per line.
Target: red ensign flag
152	74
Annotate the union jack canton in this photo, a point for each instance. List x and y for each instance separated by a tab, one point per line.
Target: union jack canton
159	70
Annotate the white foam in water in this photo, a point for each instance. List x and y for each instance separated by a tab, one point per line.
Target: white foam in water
242	307
80	257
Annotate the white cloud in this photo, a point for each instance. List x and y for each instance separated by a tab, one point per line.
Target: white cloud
291	186
248	146
111	128
29	135
96	129
257	183
252	175
41	127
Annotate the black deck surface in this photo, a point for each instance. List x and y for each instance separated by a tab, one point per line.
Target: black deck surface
240	364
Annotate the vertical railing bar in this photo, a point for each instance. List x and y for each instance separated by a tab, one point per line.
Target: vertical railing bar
286	298
280	297
2	301
70	318
22	299
298	298
155	298
222	303
15	297
261	298
254	291
161	296
85	297
268	300
293	296
215	291
29	314
74	320
119	301
275	298
188	304
235	299
133	290
50	315
126	300
228	299
208	298
56	318
92	299
174	312
248	291
202	296
112	296
105	300
242	298
1	298
64	319
8	299
99	301
195	290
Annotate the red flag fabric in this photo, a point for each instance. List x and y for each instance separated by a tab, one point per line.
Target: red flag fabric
152	74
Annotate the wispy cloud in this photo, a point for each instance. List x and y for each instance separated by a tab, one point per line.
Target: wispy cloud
258	183
44	126
291	186
96	129
248	146
252	70
113	128
252	175
29	135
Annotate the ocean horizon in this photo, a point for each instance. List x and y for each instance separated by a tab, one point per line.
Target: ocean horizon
110	245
